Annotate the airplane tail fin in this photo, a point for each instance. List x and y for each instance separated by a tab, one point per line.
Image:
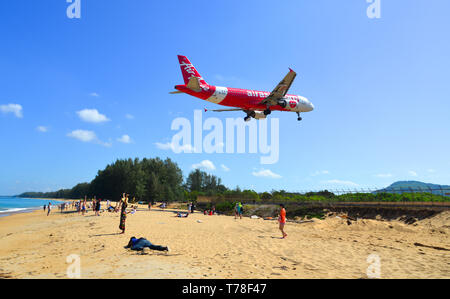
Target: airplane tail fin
189	71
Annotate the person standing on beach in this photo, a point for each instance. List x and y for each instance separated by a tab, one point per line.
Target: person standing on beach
44	207
49	208
282	220
123	212
83	206
238	210
97	207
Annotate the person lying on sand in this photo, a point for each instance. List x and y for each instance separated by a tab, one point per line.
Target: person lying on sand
141	243
182	215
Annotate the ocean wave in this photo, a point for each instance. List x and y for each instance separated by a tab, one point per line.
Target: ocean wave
13	210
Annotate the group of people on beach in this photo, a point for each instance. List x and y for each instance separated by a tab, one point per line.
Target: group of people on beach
82	206
191	207
48	208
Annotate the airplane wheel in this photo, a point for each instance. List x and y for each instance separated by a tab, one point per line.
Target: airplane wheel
267	112
247	118
299	119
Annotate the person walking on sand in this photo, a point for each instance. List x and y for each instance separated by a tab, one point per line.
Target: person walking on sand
282	220
49	208
123	212
44	208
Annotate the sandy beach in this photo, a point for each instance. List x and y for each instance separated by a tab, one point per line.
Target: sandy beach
33	245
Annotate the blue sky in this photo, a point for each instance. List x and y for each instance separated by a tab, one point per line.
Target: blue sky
380	88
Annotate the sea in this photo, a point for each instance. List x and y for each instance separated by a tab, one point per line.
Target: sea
10	205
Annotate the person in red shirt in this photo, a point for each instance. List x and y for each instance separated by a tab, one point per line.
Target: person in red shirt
282	220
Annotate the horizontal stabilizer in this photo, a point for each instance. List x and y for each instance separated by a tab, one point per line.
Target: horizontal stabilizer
176	92
194	84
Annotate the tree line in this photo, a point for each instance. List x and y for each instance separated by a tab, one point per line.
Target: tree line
156	180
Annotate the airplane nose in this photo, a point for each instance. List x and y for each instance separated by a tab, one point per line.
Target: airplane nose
311	106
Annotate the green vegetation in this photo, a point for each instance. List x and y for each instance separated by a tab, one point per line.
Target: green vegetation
146	180
162	180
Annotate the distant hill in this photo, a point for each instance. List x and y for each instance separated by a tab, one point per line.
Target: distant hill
416	186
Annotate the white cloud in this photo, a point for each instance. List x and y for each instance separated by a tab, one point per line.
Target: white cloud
205	164
384	175
342	183
129	116
82	135
266	173
92	116
94	94
412	173
124	139
187	148
87	136
42	129
224	168
16	109
321	172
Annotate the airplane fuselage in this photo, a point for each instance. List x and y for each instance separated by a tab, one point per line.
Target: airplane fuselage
247	99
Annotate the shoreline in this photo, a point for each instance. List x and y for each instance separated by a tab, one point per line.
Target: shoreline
12	211
8	213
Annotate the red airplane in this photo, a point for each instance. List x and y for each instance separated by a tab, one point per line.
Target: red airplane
256	104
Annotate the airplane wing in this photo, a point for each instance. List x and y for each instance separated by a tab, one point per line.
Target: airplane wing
226	110
281	90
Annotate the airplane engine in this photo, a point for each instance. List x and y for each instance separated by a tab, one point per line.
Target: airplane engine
282	103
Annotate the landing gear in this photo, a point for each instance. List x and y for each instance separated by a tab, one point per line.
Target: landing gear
267	111
299	118
249	116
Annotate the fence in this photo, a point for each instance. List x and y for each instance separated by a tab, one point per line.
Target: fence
356	198
442	191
